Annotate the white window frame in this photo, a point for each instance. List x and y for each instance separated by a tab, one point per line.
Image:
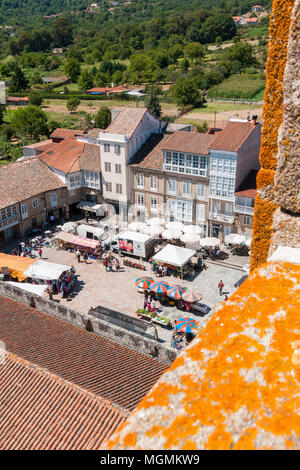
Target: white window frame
24	211
140	180
201	191
172	182
117	149
186	187
106	148
153	204
248	218
107	167
118	168
153	182
35	203
118	188
53	199
141	200
108	187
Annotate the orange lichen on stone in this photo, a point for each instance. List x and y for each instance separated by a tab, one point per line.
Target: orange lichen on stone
238	385
262	231
264	178
280	20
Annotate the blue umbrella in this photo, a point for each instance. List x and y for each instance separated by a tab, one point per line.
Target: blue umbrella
185	325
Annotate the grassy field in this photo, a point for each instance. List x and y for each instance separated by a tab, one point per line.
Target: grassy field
238	86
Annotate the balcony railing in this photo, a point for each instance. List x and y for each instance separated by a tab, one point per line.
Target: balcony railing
244	209
9	222
221	217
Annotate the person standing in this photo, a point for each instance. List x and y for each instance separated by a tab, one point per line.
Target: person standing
105	264
40	252
220	287
85	257
78	255
153	306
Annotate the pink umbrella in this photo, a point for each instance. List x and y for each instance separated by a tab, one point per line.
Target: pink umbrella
191	297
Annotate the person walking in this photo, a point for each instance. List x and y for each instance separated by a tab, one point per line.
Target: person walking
153	306
220	287
78	254
40	252
85	257
105	264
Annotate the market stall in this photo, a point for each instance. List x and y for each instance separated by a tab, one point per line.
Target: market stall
57	277
68	240
17	265
174	257
32	288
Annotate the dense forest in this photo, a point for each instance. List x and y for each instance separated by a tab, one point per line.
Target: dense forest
133	42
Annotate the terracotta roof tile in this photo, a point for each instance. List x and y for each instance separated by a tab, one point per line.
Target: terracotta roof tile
63	156
40	411
22	180
247	188
126	121
60	133
233	136
189	142
150	154
98	365
90	158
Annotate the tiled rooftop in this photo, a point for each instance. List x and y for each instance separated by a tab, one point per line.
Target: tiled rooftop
126	121
64	156
22	180
232	137
90	158
150	154
60	133
40	411
247	188
111	371
189	142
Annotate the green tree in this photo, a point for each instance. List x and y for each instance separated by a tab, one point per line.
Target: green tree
194	50
85	121
73	103
35	98
186	93
30	122
18	81
72	69
2	112
202	128
86	80
103	118
152	101
62	32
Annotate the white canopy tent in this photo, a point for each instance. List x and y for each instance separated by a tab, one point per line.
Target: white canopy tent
154	230
33	288
156	221
171	234
190	238
175	226
137	226
210	241
69	227
89	206
235	238
174	256
46	271
192	229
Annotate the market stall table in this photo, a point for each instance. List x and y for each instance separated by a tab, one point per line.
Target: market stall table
17	265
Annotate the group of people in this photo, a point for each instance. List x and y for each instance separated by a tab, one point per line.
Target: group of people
64	285
158	269
150	302
110	262
26	249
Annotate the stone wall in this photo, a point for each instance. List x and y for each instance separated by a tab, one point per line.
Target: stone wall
114	333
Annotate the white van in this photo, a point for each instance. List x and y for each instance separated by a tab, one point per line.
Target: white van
86	231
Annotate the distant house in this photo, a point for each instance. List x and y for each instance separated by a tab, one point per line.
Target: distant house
107	90
251	20
237	20
56	81
257	8
58	50
17	101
